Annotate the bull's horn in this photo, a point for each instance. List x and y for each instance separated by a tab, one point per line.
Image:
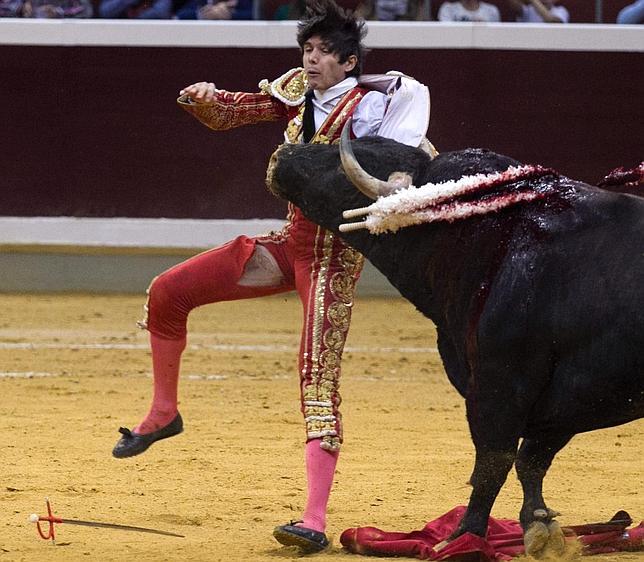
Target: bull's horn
367	184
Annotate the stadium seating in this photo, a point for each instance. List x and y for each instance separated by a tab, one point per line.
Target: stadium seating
581	11
269	8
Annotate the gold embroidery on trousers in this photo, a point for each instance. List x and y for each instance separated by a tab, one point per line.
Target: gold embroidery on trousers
339	315
320	423
334	339
321	395
352	261
342	287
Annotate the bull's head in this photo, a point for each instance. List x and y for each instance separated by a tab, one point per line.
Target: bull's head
312	177
371	186
320	180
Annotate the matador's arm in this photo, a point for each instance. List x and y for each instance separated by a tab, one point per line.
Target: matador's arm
277	100
234	109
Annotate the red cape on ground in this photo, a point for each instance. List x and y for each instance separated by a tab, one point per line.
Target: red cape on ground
504	539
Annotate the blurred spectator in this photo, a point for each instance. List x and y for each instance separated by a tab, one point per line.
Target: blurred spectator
135	9
389	10
45	8
468	10
215	10
539	11
293	10
633	13
11	8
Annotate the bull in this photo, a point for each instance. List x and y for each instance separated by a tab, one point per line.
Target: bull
533	280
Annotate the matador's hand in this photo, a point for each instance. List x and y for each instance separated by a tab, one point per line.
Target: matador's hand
201	92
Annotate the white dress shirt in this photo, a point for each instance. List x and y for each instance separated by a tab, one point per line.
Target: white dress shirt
402	113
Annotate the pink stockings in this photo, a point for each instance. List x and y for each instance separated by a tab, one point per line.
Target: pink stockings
320	470
320	464
166	358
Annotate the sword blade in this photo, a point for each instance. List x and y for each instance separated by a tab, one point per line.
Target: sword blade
117	526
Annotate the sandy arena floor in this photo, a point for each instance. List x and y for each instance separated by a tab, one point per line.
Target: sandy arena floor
75	368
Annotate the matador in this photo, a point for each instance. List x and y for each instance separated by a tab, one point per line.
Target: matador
315	100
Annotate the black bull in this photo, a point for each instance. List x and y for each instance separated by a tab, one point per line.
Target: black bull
539	307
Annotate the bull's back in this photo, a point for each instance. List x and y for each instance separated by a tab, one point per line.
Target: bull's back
591	265
571	295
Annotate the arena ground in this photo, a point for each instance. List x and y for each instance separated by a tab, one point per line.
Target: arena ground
75	368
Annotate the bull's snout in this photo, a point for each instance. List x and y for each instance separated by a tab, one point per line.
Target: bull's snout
281	154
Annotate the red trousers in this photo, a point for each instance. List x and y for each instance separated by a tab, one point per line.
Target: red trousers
314	262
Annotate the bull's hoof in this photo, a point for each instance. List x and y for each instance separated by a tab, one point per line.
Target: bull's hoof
556	542
535	539
543	540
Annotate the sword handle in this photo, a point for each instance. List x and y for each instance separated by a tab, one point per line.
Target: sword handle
51	519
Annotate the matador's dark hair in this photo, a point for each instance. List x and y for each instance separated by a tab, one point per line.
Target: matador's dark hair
342	31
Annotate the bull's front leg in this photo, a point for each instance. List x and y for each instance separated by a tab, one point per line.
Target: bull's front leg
491	469
542	534
495	420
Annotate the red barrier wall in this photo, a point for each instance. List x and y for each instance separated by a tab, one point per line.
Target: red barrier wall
94	131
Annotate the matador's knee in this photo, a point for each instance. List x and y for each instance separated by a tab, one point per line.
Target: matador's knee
166	309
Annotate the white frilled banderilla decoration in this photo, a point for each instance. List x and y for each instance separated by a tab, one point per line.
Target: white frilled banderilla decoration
399	204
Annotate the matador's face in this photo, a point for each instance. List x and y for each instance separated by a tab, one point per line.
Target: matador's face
322	66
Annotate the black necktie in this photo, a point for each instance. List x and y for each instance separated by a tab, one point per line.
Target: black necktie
308	124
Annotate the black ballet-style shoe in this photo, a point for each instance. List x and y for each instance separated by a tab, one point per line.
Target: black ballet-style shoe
132	443
308	540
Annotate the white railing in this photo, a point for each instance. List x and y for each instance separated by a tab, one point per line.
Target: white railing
385	35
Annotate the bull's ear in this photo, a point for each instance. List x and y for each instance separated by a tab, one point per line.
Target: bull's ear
367	184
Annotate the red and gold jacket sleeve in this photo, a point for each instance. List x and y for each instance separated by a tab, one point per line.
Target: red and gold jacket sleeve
235	109
277	100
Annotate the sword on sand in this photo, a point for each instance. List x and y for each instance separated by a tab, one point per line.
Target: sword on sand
50	533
